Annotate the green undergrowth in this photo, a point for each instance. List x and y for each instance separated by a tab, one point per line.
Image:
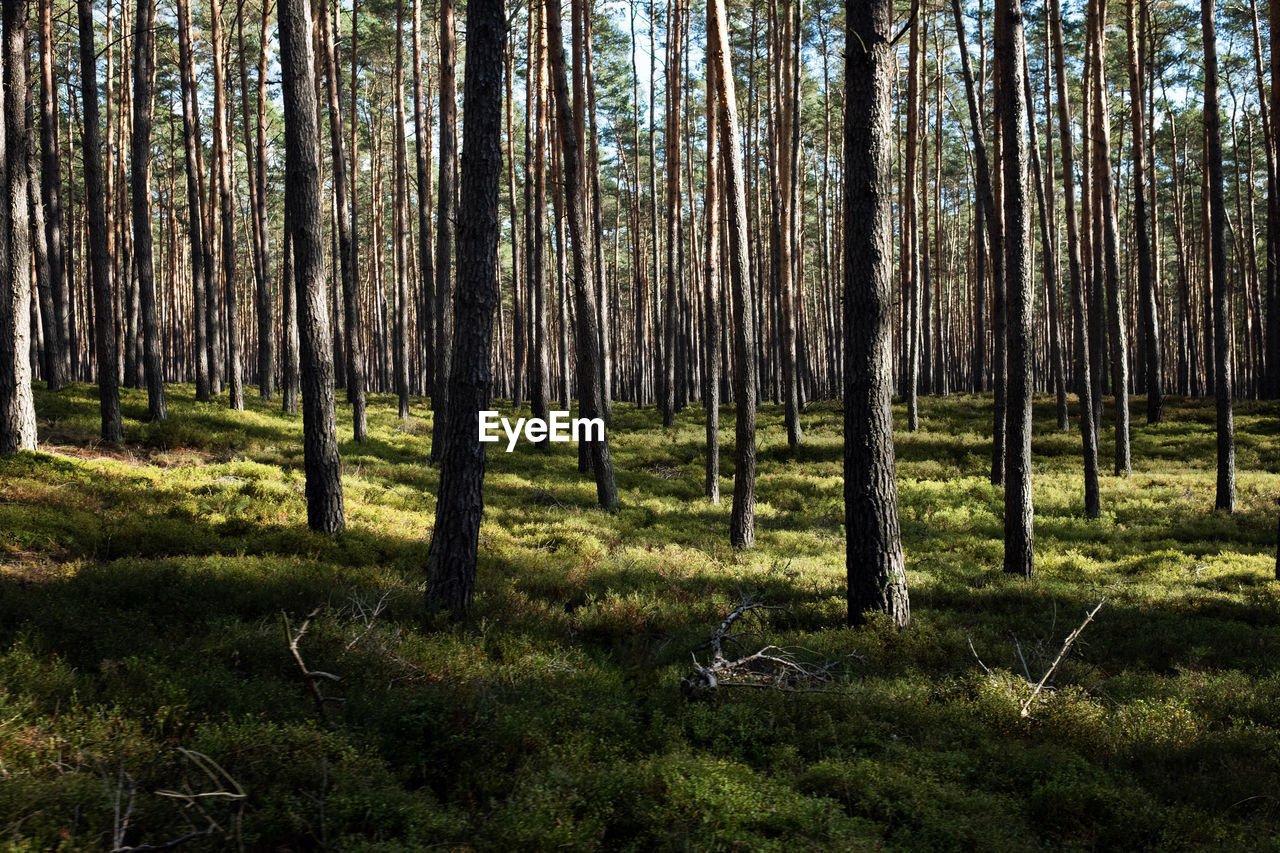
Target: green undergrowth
146	591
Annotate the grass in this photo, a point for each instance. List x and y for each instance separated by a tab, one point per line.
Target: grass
142	590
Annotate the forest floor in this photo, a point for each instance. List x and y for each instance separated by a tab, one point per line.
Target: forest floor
144	659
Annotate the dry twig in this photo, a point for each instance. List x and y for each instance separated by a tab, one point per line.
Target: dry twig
312	677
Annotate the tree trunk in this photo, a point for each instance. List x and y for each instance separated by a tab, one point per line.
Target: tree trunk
711	296
195	200
742	519
446	214
104	317
144	65
876	577
51	196
451	569
226	216
1088	432
1223	382
347	235
1105	210
17	410
303	194
400	354
1018	517
588	336
1151	354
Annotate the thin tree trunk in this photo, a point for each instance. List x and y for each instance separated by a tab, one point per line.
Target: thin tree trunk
1084	389
1223	381
195	202
588	337
222	157
144	64
51	196
104	317
446	214
347	235
711	340
400	355
1151	353
742	518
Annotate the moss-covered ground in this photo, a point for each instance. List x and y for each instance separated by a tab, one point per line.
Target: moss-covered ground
143	592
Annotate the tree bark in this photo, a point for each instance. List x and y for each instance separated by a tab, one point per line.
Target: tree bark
195	202
1151	350
1018	513
588	336
226	215
451	564
17	409
742	517
1223	380
303	194
104	316
446	214
144	65
51	196
1084	388
876	576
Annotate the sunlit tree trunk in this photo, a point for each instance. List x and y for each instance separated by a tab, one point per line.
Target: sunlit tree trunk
17	409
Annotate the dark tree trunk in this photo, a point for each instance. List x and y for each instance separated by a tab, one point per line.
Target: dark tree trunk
1084	388
742	520
451	568
588	336
195	201
1150	314
711	295
1223	380
100	261
877	581
400	344
446	216
346	233
1018	519
995	243
303	194
289	379
144	66
226	215
17	410
51	196
426	263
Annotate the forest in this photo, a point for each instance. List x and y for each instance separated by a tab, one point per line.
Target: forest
641	425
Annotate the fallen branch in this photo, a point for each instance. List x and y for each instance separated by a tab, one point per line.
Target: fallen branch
312	677
771	667
225	788
1062	653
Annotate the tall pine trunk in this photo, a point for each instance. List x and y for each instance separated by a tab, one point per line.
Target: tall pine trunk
451	564
876	576
303	195
99	259
1223	381
144	64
